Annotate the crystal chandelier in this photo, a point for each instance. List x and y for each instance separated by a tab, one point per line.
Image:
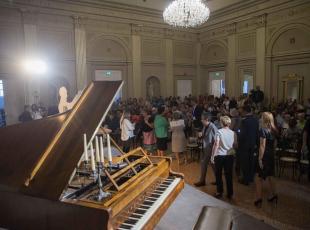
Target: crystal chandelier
186	13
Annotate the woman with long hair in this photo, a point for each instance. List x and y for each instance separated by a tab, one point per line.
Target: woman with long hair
265	169
149	139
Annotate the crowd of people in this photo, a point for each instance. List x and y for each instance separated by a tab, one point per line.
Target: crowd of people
36	111
240	134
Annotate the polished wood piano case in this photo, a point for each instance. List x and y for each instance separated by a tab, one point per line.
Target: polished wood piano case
39	161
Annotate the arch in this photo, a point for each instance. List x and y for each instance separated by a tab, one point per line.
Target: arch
277	34
217	42
214	51
152	87
103	37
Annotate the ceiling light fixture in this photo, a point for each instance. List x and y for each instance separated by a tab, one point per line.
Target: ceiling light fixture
186	13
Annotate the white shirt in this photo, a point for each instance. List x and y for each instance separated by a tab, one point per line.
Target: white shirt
177	123
36	115
127	129
226	138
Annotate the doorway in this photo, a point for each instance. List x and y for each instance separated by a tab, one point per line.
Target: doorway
217	83
2	111
247	84
184	88
110	75
152	87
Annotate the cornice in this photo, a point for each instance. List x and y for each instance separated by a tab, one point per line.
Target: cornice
85	11
247	10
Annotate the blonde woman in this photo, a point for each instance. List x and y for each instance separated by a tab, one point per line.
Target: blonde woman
265	168
223	156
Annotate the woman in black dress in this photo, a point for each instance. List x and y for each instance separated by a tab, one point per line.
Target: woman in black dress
265	169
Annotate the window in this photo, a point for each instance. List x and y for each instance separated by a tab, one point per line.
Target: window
1	88
247	83
1	95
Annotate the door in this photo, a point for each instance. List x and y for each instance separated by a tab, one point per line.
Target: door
217	83
247	85
109	75
2	113
184	88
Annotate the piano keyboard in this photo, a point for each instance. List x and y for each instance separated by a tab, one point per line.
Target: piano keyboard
152	202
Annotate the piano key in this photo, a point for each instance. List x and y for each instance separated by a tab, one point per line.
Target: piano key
146	202
142	209
166	183
132	218
155	195
148	214
145	206
163	187
136	215
126	226
145	215
138	211
130	221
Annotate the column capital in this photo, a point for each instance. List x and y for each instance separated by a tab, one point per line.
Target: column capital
29	15
261	21
136	29
168	33
79	20
231	28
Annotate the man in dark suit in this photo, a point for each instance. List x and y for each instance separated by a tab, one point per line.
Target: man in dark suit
248	142
306	142
197	111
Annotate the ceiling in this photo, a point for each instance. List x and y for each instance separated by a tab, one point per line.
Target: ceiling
162	4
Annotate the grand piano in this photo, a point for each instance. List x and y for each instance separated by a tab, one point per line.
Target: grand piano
47	183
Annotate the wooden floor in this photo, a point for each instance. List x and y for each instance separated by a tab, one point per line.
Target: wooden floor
291	212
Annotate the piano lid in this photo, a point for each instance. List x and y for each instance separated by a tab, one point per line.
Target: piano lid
38	157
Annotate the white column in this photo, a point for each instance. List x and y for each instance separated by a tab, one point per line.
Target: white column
80	54
169	68
232	85
198	76
136	66
32	85
260	52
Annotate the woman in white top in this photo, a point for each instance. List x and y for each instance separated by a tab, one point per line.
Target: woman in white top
127	128
223	156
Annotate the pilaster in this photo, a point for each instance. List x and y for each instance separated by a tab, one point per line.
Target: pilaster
80	53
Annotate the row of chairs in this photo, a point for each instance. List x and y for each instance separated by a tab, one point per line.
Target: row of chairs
290	160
